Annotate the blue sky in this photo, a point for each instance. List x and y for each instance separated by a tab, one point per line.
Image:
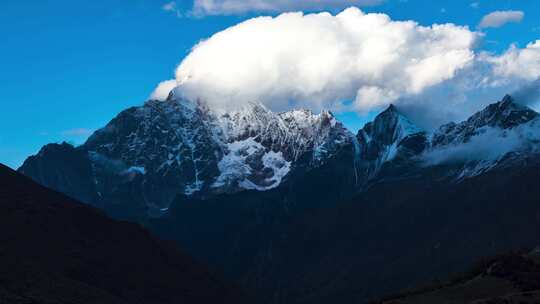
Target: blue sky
68	67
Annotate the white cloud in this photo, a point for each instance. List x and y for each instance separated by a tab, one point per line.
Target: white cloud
490	144
78	132
369	97
319	60
234	7
161	92
171	7
475	4
518	63
353	62
500	18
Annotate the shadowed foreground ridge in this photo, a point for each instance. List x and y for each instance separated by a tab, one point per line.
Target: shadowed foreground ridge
509	278
56	250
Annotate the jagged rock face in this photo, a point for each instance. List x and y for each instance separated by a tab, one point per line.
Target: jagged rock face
160	149
262	147
293	133
148	155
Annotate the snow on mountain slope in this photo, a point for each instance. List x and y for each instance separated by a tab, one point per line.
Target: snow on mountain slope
151	154
262	146
173	140
148	155
505	114
390	135
294	133
502	133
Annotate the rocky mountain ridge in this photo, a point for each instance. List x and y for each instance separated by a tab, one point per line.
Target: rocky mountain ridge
148	155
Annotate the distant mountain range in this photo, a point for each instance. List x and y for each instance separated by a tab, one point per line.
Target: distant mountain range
57	250
300	210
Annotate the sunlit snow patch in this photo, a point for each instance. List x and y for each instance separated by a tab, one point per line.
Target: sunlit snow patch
235	166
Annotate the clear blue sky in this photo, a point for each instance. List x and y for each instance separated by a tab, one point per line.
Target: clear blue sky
70	66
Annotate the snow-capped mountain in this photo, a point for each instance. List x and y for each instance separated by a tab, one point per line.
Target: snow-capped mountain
267	196
390	135
148	155
502	134
505	114
262	147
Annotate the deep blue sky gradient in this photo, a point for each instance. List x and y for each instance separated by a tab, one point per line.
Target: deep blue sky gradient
72	65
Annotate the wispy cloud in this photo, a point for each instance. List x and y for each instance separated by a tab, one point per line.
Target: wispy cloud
237	7
171	7
500	18
490	144
77	132
163	90
475	4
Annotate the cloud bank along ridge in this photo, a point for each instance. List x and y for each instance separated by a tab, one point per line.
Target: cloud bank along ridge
489	145
349	61
319	60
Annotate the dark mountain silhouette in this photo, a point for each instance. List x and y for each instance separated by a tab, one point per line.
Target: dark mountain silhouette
57	250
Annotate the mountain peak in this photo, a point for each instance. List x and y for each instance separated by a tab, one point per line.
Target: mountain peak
505	114
171	96
507	99
391	122
391	108
327	113
383	136
508	103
